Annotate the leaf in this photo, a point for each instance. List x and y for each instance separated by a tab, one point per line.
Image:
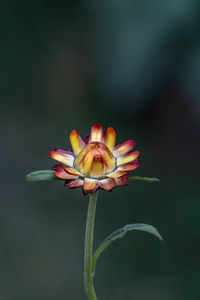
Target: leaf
120	233
41	175
148	179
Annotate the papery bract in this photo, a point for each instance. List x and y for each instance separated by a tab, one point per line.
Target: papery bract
96	163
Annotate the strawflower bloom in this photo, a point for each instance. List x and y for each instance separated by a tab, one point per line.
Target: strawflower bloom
95	163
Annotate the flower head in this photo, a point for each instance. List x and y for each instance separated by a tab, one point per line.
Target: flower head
96	163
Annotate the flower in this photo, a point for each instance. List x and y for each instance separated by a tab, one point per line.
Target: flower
95	163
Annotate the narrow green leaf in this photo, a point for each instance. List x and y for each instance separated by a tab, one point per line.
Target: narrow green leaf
41	175
120	233
148	179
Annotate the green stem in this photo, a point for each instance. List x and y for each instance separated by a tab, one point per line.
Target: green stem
88	276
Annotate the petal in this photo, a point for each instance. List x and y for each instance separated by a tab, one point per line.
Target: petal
86	162
62	156
129	167
122	181
117	174
97	167
129	157
107	184
124	148
73	171
76	183
81	156
76	142
108	158
90	185
96	134
87	139
61	173
110	138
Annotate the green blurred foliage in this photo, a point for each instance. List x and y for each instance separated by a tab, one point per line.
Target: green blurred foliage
132	65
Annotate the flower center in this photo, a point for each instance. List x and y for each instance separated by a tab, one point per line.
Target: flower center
95	160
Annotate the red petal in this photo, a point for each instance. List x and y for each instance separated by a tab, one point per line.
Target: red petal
129	167
76	183
110	138
107	184
61	173
90	185
124	148
62	156
73	171
122	181
129	157
76	142
96	134
87	139
117	174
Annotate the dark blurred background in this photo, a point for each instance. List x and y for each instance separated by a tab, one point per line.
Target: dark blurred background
133	65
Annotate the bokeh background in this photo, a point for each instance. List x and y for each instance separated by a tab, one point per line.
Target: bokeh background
133	65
